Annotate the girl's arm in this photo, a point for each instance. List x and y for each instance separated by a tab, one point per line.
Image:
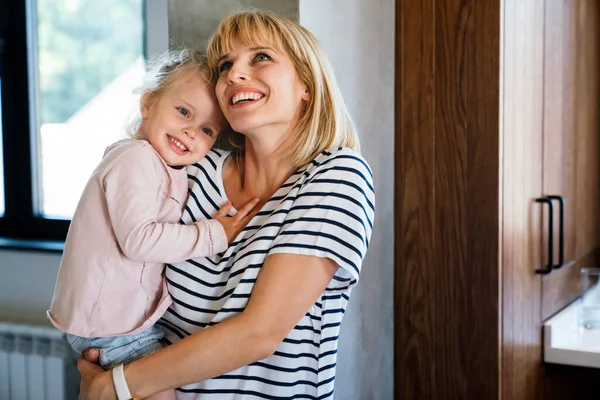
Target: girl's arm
132	188
287	286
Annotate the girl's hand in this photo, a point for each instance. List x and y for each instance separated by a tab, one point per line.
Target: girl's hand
96	383
234	225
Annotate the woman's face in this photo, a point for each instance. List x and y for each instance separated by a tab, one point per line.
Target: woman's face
259	91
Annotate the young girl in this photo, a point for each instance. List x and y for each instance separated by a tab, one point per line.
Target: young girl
111	289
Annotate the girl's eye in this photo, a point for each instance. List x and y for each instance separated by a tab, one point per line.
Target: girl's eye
208	131
262	57
225	65
183	112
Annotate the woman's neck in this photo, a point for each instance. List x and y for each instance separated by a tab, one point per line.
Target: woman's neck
258	174
265	173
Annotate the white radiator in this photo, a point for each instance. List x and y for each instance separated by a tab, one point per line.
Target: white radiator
36	363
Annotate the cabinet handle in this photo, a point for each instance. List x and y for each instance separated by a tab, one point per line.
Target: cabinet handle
548	268
561	229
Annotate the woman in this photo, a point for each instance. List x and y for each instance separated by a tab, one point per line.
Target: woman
262	319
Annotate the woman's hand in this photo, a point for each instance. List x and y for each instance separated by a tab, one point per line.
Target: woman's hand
96	383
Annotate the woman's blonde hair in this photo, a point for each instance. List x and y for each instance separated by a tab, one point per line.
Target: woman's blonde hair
324	122
162	71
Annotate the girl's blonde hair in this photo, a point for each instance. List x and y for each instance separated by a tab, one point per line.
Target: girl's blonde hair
162	71
324	122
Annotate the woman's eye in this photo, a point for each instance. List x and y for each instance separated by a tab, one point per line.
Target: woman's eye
208	131
183	112
262	57
224	66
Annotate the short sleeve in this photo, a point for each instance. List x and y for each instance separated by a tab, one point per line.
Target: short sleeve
332	213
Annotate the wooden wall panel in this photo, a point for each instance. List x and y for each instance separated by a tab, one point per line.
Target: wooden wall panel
449	285
482	75
447	126
415	323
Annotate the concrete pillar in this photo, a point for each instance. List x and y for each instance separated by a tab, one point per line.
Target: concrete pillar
358	37
192	22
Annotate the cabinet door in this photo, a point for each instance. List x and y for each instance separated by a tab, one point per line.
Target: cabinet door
550	147
522	148
571	143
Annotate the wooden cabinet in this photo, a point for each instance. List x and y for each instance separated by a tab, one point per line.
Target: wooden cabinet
497	104
571	165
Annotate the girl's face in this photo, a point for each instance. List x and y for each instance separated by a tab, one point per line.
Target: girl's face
183	123
259	91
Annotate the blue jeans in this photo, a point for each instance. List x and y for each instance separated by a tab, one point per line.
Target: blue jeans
120	349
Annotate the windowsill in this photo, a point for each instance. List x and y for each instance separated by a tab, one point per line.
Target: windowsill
55	246
567	343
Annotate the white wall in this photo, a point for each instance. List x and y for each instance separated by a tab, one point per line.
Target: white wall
26	284
358	36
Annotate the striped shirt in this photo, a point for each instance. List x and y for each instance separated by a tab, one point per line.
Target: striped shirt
326	210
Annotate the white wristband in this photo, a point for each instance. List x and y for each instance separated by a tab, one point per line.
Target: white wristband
120	383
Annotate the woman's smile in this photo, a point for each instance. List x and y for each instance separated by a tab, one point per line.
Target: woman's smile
245	97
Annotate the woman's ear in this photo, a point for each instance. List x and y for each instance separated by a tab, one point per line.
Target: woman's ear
305	95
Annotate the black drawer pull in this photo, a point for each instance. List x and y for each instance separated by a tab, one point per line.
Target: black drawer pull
548	268
561	230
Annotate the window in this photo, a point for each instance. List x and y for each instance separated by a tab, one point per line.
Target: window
67	75
1	163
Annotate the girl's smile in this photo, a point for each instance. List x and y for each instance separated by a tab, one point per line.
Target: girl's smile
184	122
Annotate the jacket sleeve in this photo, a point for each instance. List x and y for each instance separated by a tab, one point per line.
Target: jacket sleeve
131	187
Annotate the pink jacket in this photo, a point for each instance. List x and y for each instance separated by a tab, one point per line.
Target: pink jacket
125	227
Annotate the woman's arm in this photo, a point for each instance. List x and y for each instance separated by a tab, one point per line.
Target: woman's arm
287	286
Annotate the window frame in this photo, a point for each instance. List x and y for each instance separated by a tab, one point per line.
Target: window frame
20	152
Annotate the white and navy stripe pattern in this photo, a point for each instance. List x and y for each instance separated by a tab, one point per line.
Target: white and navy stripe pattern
325	210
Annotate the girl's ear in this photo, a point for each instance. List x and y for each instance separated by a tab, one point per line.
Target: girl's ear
146	104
